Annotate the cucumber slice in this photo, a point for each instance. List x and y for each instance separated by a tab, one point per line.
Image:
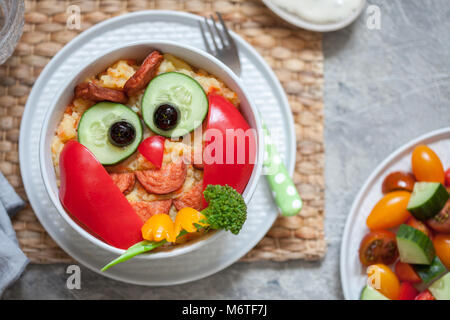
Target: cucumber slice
414	246
369	293
93	131
180	90
427	199
441	288
429	273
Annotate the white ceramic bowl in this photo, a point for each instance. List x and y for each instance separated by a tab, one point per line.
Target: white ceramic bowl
305	24
138	51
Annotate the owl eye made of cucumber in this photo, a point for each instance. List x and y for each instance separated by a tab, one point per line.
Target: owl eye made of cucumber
174	104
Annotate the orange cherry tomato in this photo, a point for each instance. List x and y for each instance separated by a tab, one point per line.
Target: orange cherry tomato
382	278
390	211
378	247
419	225
426	165
442	245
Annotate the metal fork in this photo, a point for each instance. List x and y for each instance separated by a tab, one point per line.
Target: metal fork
283	188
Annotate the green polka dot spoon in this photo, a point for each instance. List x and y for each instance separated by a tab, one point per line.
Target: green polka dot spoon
283	188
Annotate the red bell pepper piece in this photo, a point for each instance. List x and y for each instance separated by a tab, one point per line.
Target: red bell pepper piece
90	196
425	295
152	149
226	126
407	291
405	272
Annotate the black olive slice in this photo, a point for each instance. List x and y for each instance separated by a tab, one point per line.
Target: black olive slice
166	116
121	133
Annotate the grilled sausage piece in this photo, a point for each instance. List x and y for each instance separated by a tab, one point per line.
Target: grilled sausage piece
146	72
192	198
165	180
125	181
146	209
94	92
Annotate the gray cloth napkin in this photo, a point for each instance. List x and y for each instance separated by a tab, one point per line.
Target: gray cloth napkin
12	260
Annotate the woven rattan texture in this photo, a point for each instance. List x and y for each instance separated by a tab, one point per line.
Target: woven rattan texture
294	54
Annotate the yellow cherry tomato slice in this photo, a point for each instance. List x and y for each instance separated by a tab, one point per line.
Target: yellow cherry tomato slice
159	227
186	218
390	211
426	165
442	245
383	279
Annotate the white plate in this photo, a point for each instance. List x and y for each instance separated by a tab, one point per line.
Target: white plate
305	24
260	83
352	272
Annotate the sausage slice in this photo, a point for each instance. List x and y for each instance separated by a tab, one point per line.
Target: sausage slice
165	180
146	72
125	181
192	198
94	92
146	209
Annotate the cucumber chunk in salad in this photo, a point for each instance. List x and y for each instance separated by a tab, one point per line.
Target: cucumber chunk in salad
94	131
174	90
369	293
429	273
427	199
414	246
441	288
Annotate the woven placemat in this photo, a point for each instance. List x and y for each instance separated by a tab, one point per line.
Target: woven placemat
294	54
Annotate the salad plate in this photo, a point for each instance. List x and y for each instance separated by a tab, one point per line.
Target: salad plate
260	84
353	274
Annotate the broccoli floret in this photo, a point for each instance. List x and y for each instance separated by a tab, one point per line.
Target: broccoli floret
226	208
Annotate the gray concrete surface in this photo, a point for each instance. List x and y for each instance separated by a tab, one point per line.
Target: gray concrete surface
382	88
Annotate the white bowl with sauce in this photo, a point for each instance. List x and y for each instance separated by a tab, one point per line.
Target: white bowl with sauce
317	15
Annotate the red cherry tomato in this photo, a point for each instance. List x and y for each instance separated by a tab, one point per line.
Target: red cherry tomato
447	178
378	247
407	291
221	166
152	149
90	196
441	221
419	225
398	180
405	272
425	295
426	165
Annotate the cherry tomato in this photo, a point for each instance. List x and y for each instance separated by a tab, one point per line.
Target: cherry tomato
407	291
398	180
441	221
390	211
378	247
384	280
419	225
447	178
405	272
425	295
426	165
442	245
